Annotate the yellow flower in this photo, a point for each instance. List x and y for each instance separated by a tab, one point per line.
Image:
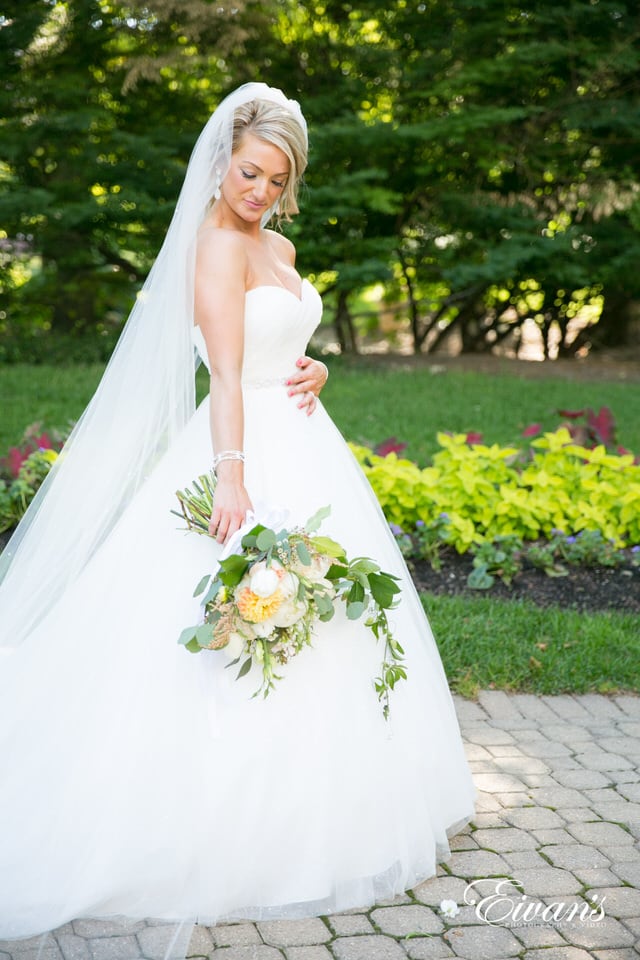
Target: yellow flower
255	609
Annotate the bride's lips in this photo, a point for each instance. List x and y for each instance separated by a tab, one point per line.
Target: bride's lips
254	206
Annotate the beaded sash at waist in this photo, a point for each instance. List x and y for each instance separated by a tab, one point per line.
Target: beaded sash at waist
269	382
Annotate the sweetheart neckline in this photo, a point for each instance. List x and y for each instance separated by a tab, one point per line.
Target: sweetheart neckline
277	286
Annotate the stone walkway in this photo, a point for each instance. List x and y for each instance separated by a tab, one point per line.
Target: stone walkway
558	813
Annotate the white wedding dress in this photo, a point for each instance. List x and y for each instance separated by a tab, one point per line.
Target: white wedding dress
140	780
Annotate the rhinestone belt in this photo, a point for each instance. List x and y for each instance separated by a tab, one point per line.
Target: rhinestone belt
273	382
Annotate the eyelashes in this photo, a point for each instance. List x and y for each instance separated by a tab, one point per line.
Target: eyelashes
251	176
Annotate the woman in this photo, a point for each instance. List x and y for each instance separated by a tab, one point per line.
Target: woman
168	792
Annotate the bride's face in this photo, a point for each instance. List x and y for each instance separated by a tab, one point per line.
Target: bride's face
256	178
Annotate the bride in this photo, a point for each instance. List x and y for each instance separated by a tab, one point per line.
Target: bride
140	781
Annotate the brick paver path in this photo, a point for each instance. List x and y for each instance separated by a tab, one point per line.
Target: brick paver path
558	812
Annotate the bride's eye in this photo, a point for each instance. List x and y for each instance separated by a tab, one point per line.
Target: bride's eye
278	183
248	176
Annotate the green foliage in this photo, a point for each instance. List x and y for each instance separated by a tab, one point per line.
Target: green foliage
17	494
488	492
589	549
102	104
501	557
477	159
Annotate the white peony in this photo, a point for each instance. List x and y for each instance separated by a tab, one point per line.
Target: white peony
288	613
288	584
263	580
316	570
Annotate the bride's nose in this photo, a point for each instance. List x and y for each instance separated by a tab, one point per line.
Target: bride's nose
260	189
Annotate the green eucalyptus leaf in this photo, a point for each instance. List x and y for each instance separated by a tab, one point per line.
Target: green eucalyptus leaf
187	635
303	554
314	522
323	603
266	539
244	669
204	635
355	609
212	592
251	536
326	615
201	585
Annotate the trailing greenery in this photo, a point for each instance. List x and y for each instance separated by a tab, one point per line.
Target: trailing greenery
517	646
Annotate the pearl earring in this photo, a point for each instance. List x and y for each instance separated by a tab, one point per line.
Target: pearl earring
216	192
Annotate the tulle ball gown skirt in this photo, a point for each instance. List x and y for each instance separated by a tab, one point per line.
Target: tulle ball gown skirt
144	781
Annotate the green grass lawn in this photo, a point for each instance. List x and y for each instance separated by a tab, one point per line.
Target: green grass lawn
369	402
517	646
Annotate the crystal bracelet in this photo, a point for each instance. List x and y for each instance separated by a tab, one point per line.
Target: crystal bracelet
227	455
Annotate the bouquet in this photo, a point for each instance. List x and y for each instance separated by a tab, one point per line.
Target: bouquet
273	584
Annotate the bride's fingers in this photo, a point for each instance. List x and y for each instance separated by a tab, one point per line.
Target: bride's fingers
306	399
221	531
300	386
234	525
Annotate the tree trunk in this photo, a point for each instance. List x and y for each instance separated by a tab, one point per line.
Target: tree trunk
613	329
345	330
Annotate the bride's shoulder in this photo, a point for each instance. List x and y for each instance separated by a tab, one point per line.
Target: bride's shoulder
215	243
282	245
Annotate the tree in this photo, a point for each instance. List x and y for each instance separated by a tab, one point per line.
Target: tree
476	157
102	104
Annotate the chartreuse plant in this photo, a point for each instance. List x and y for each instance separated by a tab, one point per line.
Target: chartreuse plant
488	492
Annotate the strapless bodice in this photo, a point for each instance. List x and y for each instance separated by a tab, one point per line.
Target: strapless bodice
277	329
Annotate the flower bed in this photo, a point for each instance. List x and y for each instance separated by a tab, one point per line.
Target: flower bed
553	505
23	470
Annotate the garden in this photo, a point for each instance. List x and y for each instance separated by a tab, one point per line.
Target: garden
515	500
472	184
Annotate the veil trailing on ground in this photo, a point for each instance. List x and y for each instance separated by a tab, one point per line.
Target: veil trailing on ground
144	400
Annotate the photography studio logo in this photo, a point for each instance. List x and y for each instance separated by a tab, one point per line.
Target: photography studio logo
502	900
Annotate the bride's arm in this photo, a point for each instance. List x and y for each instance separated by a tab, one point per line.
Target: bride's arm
219	310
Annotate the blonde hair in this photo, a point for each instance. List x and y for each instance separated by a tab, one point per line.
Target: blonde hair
278	126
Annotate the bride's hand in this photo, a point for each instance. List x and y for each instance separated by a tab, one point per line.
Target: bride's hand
307	382
230	505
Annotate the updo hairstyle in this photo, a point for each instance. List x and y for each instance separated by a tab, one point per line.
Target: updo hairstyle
274	124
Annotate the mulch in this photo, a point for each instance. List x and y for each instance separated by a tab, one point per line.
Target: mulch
584	588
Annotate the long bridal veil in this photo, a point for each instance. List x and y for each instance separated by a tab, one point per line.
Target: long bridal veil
144	399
